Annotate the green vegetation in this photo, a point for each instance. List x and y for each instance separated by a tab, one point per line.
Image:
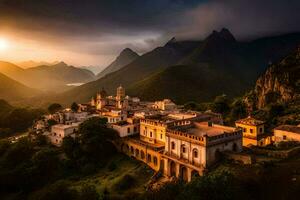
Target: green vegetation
37	170
74	107
16	120
53	108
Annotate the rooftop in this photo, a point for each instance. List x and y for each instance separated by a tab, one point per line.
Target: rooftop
289	128
202	129
250	121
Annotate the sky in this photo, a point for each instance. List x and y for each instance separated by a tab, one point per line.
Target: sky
93	32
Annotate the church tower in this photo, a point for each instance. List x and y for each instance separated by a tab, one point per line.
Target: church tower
120	97
120	93
101	99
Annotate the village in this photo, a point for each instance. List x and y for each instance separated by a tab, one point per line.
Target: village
173	141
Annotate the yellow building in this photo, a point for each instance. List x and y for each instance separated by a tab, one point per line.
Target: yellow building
253	132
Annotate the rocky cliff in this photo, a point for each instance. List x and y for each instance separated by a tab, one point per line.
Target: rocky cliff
279	84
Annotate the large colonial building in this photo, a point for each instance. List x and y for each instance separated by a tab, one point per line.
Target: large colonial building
184	146
192	147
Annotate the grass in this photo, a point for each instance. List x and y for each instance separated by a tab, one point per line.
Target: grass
122	176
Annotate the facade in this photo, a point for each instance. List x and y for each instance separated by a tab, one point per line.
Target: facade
182	147
253	132
114	116
285	133
59	131
193	147
127	128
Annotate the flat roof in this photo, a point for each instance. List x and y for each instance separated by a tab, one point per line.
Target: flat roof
289	128
202	129
64	126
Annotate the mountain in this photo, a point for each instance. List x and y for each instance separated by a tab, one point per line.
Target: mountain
125	57
142	67
31	63
49	78
12	90
94	69
217	64
279	84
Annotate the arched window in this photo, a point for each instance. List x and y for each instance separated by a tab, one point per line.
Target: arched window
149	158
195	153
173	145
183	148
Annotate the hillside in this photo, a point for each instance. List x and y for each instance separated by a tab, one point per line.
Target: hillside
279	84
220	59
125	57
140	68
12	90
47	77
182	83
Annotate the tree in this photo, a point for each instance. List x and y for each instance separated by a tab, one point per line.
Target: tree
96	139
74	107
53	108
221	104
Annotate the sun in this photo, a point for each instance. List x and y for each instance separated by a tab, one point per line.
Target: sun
3	44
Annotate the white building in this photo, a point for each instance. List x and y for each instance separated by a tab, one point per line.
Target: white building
59	131
114	116
126	128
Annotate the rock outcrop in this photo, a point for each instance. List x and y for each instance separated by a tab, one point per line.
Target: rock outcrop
279	84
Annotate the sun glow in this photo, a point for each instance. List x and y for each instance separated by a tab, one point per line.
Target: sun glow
3	44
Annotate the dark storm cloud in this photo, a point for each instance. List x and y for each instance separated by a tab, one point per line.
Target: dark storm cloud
104	27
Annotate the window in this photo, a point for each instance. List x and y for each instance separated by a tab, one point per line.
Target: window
155	160
284	137
195	154
128	130
161	136
135	129
244	130
183	149
173	145
260	130
149	158
150	133
251	130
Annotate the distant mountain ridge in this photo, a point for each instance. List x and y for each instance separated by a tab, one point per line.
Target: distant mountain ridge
12	90
124	58
47	77
31	63
212	65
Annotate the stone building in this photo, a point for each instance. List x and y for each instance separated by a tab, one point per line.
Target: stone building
192	147
253	132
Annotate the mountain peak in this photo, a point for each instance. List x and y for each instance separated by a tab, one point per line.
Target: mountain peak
127	52
224	34
171	41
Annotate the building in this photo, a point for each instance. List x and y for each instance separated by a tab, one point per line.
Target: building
114	116
253	132
165	104
60	131
194	146
152	141
127	128
287	133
